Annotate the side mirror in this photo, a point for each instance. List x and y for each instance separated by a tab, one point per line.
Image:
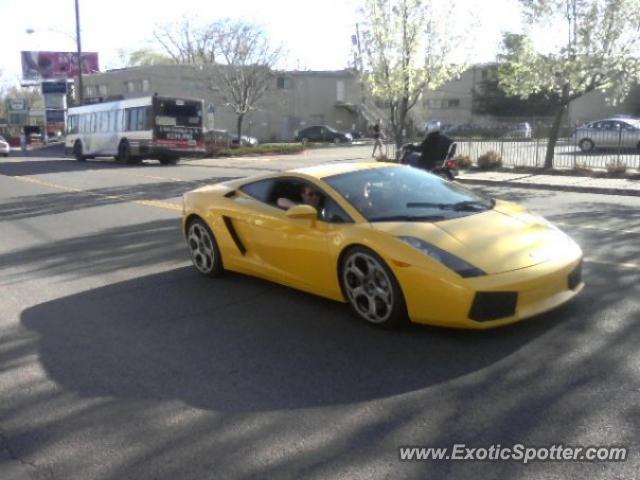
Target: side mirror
303	212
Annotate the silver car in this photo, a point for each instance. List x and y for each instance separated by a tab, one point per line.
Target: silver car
4	147
608	133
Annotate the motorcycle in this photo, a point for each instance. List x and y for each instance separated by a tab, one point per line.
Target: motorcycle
410	155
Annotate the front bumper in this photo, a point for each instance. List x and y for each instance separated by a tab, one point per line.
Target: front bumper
492	300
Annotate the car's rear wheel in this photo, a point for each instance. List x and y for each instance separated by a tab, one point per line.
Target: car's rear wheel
204	250
371	289
586	145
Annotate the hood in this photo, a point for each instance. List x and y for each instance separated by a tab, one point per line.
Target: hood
503	239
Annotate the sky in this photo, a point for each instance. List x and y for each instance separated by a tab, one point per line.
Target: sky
316	35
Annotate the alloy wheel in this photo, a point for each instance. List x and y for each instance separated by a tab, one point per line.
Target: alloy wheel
368	287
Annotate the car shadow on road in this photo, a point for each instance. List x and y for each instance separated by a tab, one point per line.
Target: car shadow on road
241	344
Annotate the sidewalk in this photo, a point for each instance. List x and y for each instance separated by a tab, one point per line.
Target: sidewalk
607	186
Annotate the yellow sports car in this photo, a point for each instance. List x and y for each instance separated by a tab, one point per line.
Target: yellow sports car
395	242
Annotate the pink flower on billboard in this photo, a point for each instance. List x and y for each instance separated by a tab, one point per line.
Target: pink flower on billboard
38	65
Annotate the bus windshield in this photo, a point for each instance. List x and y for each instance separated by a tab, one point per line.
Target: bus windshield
178	113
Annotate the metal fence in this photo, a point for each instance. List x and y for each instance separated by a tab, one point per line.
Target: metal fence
569	152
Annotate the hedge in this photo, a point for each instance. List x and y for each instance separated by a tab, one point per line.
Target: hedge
272	148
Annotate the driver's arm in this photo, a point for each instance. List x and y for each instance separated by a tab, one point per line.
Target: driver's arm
285	203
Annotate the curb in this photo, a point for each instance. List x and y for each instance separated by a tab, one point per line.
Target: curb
560	188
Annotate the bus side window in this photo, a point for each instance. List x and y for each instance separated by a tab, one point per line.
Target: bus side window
148	125
140	124
127	119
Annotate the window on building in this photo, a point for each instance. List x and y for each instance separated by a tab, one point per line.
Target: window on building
145	85
102	90
88	91
280	84
453	103
130	85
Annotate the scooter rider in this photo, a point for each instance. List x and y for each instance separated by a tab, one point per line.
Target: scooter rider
434	148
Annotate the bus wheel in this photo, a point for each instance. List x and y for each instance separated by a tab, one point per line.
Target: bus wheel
168	160
124	153
77	151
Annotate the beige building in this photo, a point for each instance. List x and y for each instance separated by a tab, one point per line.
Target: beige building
297	99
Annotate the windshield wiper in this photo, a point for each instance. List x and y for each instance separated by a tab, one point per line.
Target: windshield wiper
470	205
441	206
407	218
467	205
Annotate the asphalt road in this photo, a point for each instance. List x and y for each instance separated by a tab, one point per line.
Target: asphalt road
118	361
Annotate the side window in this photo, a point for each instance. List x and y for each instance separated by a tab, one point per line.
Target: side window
141	118
259	190
333	213
148	115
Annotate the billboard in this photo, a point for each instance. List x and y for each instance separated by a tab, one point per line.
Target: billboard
56	65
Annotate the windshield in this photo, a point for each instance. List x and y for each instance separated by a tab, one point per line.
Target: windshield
177	113
405	193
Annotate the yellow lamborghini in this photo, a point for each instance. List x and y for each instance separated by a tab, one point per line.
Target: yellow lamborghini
394	242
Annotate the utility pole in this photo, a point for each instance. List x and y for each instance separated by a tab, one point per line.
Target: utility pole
79	45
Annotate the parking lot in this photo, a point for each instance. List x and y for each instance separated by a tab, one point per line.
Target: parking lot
117	360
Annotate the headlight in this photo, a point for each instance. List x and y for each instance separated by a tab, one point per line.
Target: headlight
462	268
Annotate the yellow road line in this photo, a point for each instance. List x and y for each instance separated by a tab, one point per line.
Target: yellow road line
149	203
140	175
593	227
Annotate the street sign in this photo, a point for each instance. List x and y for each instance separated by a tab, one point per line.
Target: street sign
17	105
54	87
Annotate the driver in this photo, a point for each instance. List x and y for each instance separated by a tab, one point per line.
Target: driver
308	194
434	147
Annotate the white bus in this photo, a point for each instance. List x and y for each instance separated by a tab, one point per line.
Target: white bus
133	129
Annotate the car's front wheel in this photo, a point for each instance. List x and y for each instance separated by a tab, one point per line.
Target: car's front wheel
371	289
204	250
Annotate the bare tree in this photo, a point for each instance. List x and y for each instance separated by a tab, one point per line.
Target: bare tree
184	42
143	57
240	53
246	62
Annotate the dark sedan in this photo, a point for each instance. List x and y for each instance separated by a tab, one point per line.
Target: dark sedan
322	133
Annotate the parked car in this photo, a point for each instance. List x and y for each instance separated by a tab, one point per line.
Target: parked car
323	133
4	147
519	130
608	133
245	141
